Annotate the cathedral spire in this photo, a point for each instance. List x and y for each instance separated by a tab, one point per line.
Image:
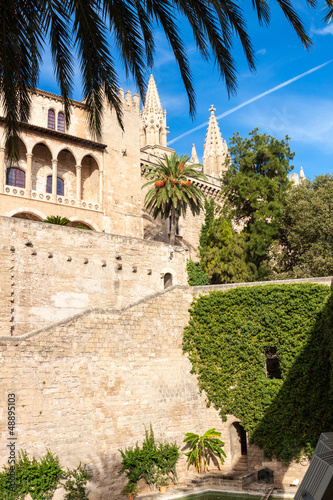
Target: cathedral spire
194	157
153	118
216	149
152	100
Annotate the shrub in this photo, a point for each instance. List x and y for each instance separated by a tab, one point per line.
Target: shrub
76	483
40	478
150	461
196	275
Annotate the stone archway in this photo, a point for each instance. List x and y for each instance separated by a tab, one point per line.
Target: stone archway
27	216
238	446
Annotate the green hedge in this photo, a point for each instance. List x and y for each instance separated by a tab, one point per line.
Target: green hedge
196	275
226	340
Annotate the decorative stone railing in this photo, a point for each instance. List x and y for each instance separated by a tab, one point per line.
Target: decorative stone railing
62	200
16	191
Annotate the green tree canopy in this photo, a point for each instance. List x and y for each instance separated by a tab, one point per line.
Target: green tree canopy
223	257
172	191
305	246
87	28
254	189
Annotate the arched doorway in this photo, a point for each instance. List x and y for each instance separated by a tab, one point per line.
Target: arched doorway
238	446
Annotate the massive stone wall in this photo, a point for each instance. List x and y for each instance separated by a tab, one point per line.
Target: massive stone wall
49	272
89	385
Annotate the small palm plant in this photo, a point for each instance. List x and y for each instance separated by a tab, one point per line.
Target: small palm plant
202	448
56	219
173	191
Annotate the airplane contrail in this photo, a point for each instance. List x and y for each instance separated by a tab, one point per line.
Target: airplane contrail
236	108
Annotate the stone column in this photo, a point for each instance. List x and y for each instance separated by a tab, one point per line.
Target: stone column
2	168
101	187
78	182
54	179
28	175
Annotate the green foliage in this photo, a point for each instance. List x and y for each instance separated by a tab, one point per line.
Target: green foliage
130	489
56	219
163	481
150	461
40	478
209	218
226	340
172	191
196	276
37	477
203	448
223	259
254	188
305	246
76	484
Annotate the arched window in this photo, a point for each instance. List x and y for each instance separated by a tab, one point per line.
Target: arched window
51	119
15	177
61	122
60	185
167	280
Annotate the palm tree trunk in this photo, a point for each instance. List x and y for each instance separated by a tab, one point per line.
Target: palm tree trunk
173	226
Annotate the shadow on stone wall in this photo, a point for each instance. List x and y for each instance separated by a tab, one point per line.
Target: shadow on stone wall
303	407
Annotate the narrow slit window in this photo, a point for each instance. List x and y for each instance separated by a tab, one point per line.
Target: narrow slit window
167	280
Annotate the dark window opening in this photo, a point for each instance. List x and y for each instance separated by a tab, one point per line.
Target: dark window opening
61	122
15	177
60	185
167	280
51	119
273	364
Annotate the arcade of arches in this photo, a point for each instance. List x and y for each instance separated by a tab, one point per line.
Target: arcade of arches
41	174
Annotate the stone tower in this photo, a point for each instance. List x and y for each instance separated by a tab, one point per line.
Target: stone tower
153	129
216	149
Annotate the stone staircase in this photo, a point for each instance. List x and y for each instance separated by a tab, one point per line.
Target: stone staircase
241	464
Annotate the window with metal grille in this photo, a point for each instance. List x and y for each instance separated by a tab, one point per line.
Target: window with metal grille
15	177
60	185
51	119
61	122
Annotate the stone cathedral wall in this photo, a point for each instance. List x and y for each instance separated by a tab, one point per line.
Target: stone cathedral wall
49	272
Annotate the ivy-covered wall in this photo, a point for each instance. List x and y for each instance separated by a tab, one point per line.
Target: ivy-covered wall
229	338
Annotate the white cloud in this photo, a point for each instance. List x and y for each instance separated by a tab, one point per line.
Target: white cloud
328	30
261	52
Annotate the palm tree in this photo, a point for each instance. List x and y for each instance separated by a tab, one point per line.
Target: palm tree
172	190
57	219
91	27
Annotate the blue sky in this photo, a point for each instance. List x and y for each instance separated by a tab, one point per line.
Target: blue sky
302	109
